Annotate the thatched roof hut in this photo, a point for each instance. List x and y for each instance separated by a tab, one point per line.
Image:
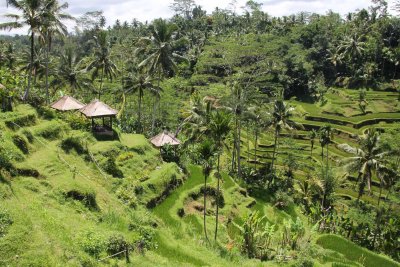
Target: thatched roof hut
97	109
67	103
165	138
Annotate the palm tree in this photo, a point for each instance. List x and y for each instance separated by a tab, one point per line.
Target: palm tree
280	119
102	63
352	47
198	118
52	26
70	71
326	136
206	153
138	82
368	159
31	16
161	60
220	126
312	135
37	67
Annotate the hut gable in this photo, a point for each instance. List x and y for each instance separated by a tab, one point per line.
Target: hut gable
97	108
164	138
66	103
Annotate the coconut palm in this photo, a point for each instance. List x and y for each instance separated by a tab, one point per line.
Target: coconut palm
31	14
52	26
161	59
197	121
206	155
37	67
138	82
312	135
352	47
102	64
369	159
280	119
326	136
70	71
220	126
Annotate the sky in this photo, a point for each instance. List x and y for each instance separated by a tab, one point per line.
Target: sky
147	10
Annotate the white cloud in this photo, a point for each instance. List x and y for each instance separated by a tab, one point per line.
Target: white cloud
126	10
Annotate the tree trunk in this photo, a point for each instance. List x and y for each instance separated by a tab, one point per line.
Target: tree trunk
380	193
239	167
205	209
217	200
140	109
312	147
47	72
275	145
26	94
255	150
101	82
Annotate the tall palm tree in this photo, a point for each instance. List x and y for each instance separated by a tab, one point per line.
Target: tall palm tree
198	117
161	59
70	71
312	135
220	126
368	159
138	82
102	64
37	67
52	26
326	136
206	154
31	14
280	119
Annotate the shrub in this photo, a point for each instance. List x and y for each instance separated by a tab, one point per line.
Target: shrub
88	199
145	241
92	242
5	222
21	143
111	168
77	122
73	142
115	244
126	194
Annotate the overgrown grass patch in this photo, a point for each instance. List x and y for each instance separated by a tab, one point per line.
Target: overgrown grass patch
353	252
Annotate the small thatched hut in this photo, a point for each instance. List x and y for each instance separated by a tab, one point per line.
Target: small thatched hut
97	109
164	138
67	103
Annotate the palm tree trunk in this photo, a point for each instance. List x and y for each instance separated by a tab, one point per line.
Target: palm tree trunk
327	159
274	151
101	82
239	167
26	94
217	200
312	147
47	71
380	193
140	109
205	209
255	149
248	143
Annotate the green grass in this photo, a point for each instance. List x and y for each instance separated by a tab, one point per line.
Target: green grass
353	252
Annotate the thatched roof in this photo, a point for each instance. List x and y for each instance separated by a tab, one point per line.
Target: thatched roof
66	103
165	138
96	108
